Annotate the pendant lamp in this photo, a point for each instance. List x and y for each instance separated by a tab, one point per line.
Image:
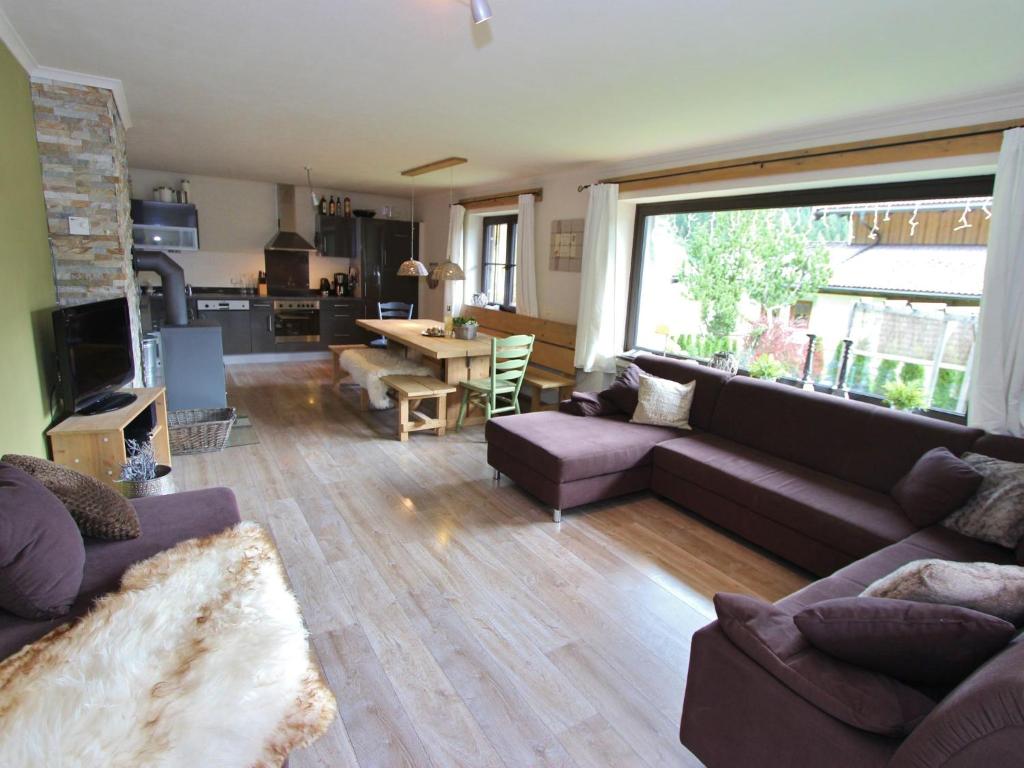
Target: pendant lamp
448	269
411	267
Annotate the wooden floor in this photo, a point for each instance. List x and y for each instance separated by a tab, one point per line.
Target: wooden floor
457	625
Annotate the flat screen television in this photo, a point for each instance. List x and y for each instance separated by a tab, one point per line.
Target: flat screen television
94	356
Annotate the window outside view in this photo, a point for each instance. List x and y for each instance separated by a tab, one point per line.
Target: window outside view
902	279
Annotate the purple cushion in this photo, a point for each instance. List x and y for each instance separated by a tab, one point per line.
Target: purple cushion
866	700
625	390
587	404
918	643
165	521
41	550
935	487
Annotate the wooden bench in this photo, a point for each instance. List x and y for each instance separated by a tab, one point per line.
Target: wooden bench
410	391
336	350
552	364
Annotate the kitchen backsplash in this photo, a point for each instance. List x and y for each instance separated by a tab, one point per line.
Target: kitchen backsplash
237	218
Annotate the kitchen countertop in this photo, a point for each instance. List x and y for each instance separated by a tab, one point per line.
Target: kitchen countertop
218	294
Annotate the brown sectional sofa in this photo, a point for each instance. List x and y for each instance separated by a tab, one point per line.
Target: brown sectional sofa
807	476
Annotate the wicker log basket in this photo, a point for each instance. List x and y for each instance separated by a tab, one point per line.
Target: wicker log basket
200	430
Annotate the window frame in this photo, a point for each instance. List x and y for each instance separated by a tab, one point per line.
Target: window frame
511	219
958	186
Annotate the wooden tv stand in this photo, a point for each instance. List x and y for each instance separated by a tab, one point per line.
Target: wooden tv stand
95	445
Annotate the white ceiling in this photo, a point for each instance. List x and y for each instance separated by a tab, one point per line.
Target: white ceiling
360	89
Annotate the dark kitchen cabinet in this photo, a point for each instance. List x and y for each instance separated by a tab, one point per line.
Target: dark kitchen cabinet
382	255
235	329
261	326
338	236
338	321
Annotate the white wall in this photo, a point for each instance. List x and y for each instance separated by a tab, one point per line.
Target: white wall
237	218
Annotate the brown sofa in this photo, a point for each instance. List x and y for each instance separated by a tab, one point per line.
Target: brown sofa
807	476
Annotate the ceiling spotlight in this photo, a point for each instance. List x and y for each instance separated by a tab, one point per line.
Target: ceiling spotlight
481	11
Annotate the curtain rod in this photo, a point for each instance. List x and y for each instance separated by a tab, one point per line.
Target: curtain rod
537	192
756	162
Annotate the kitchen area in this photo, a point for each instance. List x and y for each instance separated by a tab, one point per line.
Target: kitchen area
317	270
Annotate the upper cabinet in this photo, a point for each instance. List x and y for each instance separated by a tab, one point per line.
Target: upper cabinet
160	226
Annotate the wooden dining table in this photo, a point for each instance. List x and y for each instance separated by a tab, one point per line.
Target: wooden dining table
453	359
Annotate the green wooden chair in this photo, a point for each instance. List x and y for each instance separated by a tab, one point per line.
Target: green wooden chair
500	392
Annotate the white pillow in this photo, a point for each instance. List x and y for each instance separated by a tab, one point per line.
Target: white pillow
663	403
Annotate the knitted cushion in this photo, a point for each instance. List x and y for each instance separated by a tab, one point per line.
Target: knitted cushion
99	510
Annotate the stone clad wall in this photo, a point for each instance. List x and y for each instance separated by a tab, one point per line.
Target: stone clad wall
85	173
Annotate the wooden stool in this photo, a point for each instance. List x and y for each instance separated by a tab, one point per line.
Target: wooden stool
409	391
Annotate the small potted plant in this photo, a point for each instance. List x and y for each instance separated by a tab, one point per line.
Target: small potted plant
904	395
766	367
141	475
465	327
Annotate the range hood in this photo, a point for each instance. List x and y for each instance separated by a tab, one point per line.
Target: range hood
287	239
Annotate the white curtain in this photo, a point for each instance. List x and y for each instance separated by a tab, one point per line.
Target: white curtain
526	260
998	374
600	325
454	290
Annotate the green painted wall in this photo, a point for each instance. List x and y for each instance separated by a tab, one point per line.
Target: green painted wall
26	272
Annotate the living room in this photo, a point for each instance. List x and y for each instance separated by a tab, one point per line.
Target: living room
497	382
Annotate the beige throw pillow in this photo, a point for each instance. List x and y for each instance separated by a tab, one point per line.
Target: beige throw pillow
663	403
997	590
995	513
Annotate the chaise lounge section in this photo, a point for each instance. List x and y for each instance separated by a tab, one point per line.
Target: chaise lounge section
808	477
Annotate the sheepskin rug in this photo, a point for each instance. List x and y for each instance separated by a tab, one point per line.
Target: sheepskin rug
200	659
368	366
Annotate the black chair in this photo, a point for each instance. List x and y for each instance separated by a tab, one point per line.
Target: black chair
391	310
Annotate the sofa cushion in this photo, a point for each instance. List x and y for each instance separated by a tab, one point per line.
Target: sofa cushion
917	643
624	391
563	448
100	511
165	521
996	512
858	697
863	444
933	542
709	383
936	485
987	587
663	402
848	517
587	404
41	550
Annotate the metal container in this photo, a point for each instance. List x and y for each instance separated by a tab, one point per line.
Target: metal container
161	485
151	360
465	332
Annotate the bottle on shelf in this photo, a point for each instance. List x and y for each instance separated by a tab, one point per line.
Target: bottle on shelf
449	325
332	207
323	205
348	207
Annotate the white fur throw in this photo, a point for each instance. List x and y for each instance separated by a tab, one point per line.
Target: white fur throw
200	659
368	366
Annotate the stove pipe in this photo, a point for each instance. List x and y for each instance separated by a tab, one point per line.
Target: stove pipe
173	277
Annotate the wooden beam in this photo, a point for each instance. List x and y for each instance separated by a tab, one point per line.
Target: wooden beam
437	165
953	142
503	200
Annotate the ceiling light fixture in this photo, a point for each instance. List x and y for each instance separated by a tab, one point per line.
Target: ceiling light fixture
481	11
411	267
448	269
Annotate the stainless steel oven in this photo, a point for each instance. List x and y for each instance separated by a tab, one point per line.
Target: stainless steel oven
296	320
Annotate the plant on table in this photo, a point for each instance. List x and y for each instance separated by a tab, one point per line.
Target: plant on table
463	321
904	396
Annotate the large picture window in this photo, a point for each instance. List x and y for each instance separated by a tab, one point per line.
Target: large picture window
897	269
498	260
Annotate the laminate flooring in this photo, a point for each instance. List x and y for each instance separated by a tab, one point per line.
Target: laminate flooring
456	623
